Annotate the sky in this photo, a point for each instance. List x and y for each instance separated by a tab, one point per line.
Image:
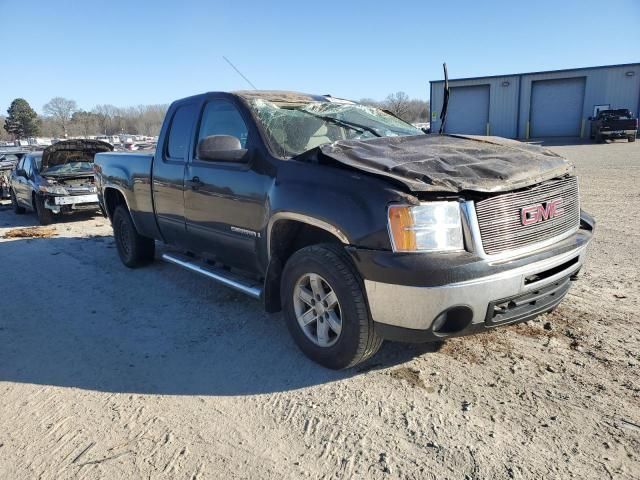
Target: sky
129	53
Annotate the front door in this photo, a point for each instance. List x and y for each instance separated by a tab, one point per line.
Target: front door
225	201
20	184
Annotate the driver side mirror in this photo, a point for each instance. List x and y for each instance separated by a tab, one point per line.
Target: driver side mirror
21	173
221	148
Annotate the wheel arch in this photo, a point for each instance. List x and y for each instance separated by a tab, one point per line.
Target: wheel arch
112	198
287	233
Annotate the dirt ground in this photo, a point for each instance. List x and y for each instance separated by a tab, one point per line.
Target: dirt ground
107	372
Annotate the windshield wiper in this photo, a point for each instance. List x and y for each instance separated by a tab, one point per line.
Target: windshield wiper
356	127
445	101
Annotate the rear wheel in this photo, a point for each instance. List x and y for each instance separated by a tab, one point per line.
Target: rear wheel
325	307
14	201
134	249
632	138
45	216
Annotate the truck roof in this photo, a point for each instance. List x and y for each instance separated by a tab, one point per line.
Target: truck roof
288	97
280	96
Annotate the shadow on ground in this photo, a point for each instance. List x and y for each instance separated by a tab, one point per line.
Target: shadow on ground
73	316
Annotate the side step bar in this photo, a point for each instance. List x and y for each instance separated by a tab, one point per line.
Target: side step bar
226	278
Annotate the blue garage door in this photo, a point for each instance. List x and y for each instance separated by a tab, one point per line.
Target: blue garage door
468	110
556	107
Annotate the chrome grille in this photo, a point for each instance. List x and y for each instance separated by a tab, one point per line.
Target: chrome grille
499	218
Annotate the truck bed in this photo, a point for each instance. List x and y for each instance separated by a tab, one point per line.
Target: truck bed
130	174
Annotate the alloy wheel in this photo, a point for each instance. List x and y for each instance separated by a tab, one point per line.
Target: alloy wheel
317	310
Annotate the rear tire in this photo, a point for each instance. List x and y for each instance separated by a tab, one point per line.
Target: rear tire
45	216
134	249
14	201
357	340
632	139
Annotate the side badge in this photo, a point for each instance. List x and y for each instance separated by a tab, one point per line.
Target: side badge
245	232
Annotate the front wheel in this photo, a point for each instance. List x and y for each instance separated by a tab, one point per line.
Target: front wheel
134	249
325	307
45	216
14	201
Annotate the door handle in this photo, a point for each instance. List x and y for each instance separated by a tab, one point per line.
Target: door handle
195	183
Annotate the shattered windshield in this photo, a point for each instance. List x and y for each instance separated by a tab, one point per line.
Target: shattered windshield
294	128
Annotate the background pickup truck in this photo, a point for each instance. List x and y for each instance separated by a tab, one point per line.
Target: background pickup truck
610	124
356	224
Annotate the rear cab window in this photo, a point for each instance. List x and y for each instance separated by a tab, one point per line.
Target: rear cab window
180	132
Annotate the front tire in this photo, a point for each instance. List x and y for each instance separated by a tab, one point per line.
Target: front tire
134	249
45	216
14	201
325	307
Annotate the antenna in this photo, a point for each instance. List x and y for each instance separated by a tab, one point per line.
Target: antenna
239	72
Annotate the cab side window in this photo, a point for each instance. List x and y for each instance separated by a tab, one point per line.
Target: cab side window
180	131
20	165
221	117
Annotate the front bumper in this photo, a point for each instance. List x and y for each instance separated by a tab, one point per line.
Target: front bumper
618	133
67	203
460	295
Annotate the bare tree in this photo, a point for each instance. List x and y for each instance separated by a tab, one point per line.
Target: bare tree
84	123
106	115
398	104
370	102
61	110
418	111
149	119
4	135
410	110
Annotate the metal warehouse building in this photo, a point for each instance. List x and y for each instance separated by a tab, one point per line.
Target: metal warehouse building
539	104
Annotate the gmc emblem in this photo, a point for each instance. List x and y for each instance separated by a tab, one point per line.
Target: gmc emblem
541	212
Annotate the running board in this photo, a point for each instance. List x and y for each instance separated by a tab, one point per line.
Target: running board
226	278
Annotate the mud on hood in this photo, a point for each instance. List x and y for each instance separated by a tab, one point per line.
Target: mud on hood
67	151
451	163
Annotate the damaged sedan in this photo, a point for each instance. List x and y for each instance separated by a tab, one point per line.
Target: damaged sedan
58	180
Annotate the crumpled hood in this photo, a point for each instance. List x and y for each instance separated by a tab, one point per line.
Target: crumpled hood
80	150
452	163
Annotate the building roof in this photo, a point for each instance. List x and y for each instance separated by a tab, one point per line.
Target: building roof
540	72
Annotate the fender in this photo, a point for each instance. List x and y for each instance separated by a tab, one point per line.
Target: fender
304	219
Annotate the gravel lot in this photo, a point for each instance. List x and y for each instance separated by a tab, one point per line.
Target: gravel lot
112	373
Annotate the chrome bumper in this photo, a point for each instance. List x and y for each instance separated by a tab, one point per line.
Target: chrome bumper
621	133
417	307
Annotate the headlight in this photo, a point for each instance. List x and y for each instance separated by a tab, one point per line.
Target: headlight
428	227
55	189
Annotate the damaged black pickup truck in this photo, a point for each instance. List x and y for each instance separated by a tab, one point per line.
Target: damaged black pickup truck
354	223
